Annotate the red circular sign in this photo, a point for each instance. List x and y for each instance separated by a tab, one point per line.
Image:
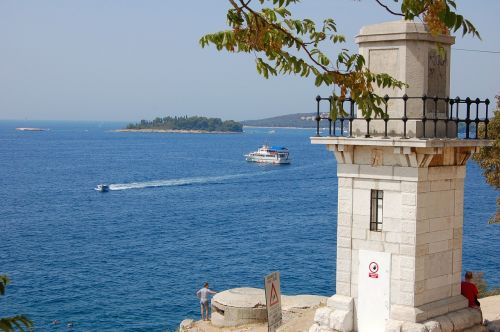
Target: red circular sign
373	267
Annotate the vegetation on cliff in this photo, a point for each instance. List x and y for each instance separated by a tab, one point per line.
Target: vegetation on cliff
489	157
188	123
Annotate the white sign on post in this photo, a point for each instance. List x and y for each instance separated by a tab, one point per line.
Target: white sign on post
374	281
273	300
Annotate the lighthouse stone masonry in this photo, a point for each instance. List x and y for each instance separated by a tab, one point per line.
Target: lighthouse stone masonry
401	193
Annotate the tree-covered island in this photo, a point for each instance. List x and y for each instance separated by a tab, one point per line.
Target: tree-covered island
185	123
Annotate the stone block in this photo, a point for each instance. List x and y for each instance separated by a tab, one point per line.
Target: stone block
343	276
345	193
439	224
408	274
409	212
441	173
436	282
407	262
408	227
439	246
422	226
391	224
342	320
322	316
344	219
407	238
343	288
367	245
462	319
340	302
407	249
423	186
409	199
406	313
345	182
393	325
344	242
439	236
437	293
409	187
441	185
407	286
343	265
344	206
347	170
361	202
314	328
421	249
359	233
375	236
432	326
393	248
445	323
407	299
413	327
378	172
343	231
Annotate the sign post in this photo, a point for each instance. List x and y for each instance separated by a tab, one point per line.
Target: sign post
273	300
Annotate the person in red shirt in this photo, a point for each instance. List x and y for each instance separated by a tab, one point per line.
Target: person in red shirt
469	290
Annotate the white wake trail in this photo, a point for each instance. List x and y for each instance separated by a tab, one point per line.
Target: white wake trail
175	182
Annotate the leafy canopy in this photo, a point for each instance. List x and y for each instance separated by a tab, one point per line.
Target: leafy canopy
286	45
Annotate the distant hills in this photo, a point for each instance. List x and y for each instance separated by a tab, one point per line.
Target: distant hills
298	120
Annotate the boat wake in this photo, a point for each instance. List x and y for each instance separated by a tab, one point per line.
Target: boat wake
176	182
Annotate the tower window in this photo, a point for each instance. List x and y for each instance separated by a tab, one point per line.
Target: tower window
377	198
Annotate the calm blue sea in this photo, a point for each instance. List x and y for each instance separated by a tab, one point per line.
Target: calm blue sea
186	208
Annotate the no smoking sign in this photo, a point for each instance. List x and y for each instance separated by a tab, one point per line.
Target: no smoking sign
373	267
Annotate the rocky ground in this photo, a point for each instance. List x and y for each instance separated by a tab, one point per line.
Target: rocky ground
300	319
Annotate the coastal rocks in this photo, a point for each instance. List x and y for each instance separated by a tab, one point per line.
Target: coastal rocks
185	325
338	315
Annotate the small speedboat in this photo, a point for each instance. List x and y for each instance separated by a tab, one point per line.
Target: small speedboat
102	188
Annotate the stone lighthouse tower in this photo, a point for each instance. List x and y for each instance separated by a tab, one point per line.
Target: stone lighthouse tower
401	192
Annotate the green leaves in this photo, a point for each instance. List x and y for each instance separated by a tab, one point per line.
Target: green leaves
286	45
16	323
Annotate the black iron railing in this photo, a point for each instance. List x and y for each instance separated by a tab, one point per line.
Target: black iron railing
461	118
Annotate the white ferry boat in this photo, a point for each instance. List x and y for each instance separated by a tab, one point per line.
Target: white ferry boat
270	155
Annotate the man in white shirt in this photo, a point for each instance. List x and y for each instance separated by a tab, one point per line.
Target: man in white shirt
203	294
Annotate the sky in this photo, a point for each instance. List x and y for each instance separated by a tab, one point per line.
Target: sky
127	60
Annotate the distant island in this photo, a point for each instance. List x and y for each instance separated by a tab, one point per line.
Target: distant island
297	120
195	124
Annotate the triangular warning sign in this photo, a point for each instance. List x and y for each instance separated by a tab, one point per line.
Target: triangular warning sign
273	299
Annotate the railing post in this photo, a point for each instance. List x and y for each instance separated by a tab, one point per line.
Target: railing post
457	120
476	121
386	116
405	118
424	117
486	120
351	116
435	115
448	115
318	118
467	119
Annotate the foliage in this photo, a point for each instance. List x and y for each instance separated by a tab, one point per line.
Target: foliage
18	322
287	45
482	286
488	157
189	123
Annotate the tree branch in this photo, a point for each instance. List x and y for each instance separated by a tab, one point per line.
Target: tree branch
388	9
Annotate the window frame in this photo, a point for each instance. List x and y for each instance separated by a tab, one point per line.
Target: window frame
376	210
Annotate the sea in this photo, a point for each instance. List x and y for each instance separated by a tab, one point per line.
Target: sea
183	209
